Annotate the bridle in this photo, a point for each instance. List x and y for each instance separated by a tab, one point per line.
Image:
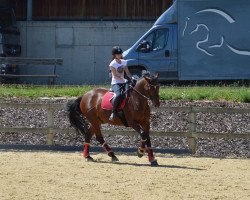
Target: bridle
150	96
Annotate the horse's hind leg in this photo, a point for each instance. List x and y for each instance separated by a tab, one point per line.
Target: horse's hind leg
86	146
106	147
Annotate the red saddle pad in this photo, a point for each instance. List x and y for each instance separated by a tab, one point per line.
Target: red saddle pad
107	101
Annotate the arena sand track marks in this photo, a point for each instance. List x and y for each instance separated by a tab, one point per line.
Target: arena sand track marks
66	176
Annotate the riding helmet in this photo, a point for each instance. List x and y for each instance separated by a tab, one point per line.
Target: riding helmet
116	50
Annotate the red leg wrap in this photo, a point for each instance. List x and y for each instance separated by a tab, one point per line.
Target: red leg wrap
86	150
150	155
106	148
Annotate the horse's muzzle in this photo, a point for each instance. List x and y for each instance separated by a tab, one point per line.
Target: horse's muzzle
157	105
155	100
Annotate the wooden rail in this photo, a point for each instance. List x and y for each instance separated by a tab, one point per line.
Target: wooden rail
24	61
192	134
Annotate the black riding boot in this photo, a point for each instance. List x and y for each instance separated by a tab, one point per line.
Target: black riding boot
115	102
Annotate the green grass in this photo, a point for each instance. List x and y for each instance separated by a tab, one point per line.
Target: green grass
228	93
42	91
235	94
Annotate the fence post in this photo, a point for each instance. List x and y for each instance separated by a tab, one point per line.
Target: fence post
50	119
192	129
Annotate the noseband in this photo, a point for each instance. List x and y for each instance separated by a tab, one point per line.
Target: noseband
155	87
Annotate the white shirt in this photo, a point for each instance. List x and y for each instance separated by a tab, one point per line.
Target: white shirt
119	67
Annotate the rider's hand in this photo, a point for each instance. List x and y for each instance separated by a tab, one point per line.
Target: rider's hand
133	81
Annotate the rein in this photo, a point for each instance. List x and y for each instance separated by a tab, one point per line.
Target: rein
148	98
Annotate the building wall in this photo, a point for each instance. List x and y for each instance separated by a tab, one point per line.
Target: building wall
85	47
98	9
88	9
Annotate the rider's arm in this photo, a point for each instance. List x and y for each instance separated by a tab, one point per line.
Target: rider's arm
115	74
127	72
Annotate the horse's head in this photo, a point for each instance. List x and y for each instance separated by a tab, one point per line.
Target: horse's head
151	88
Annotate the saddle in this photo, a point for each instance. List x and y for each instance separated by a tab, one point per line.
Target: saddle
107	105
107	101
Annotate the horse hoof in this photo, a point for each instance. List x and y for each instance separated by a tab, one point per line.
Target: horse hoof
89	159
114	159
139	154
154	163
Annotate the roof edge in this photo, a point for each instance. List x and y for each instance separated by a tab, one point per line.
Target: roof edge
169	16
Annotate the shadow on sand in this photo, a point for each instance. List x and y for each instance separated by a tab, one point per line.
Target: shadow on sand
148	165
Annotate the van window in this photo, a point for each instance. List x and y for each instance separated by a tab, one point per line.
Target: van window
158	39
150	39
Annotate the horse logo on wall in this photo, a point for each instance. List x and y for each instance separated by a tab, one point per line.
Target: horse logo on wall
214	37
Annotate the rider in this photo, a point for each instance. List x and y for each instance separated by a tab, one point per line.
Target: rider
117	66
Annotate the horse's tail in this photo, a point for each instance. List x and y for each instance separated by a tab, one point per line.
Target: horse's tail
76	118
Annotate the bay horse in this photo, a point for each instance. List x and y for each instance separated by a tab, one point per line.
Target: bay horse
86	115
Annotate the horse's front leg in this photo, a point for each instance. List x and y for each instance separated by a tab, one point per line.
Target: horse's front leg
151	157
142	148
145	141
